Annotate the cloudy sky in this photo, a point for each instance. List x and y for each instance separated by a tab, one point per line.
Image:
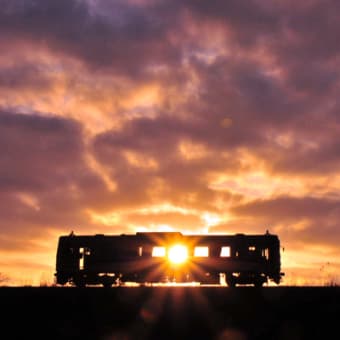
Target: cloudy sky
190	115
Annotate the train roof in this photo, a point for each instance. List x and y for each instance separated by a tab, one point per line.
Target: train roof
173	234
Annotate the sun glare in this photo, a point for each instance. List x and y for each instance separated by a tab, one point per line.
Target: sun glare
158	252
178	254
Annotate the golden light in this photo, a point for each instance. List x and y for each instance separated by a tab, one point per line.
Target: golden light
201	252
158	251
178	254
225	252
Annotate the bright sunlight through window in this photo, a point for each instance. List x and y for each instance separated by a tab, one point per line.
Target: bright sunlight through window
178	254
158	251
201	252
225	252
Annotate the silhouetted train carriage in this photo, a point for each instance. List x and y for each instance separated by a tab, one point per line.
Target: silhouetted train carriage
168	257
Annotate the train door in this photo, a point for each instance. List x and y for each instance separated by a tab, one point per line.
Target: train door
84	253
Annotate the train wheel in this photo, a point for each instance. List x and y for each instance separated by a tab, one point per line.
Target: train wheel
231	283
230	280
107	284
107	281
80	283
258	283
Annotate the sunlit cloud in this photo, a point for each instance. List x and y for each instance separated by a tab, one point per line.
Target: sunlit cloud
172	115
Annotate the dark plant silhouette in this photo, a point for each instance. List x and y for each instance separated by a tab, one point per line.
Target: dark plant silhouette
3	279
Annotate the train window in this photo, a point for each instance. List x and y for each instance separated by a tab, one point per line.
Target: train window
225	252
251	248
265	253
140	251
81	258
201	251
158	251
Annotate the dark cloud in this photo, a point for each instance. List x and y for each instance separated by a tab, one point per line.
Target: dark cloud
24	76
305	220
247	22
36	149
313	30
161	139
289	208
44	179
160	136
242	86
114	37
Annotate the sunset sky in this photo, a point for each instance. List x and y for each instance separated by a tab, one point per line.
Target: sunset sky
189	115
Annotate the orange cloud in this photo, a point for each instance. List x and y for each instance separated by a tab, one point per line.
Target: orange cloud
169	115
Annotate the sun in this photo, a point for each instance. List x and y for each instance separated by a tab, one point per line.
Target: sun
178	254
